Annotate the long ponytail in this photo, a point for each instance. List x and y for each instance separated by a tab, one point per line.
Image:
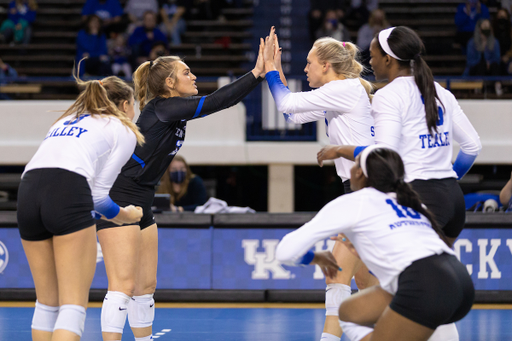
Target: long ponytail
386	173
407	45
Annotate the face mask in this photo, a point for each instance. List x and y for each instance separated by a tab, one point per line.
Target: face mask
486	33
334	23
503	22
178	177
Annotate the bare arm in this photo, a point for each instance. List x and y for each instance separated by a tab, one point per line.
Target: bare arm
333	152
506	192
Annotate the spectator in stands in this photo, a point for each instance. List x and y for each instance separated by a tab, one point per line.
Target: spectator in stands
159	49
119	54
483	54
142	39
468	14
367	32
360	10
91	42
6	71
506	195
135	10
502	27
318	8
109	11
187	190
209	9
174	13
333	28
17	28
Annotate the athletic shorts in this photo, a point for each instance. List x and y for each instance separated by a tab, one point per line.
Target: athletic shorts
127	192
53	202
445	200
433	291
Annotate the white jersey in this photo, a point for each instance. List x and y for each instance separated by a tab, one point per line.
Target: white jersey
343	105
94	147
400	124
387	236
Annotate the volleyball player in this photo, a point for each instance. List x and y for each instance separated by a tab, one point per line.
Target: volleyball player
63	187
166	91
420	120
422	284
342	100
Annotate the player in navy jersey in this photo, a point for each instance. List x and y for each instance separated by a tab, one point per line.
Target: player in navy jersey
422	284
341	99
166	92
64	186
420	120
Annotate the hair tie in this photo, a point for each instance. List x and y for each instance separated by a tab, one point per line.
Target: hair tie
101	83
343	43
150	64
364	155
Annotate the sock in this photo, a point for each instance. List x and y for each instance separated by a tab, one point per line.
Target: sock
145	338
354	331
329	337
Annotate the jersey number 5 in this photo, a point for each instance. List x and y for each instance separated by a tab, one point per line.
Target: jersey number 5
403	210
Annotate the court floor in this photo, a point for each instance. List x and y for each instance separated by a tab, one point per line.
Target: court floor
247	322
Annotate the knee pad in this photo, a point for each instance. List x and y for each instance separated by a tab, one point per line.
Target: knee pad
44	317
141	311
335	294
72	318
354	331
114	311
445	332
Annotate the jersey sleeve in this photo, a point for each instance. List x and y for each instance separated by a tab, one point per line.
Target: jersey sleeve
328	97
338	216
179	108
123	147
465	134
305	117
387	121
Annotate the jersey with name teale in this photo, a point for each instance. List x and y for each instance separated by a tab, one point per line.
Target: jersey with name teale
343	105
387	236
95	147
400	124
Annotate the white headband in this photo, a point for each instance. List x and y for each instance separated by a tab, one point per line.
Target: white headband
364	155
383	40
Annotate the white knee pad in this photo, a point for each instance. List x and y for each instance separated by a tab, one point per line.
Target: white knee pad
44	317
335	294
114	311
72	318
141	311
354	331
446	332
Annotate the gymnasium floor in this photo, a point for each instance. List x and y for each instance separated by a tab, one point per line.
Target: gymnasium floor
246	322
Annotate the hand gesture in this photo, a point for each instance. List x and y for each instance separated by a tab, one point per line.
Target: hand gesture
259	68
327	263
269	51
277	53
327	153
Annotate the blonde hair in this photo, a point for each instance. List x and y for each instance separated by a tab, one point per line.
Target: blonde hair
343	59
149	78
166	184
94	100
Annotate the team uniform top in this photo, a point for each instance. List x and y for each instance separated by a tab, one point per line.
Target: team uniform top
343	104
400	124
95	147
387	236
163	122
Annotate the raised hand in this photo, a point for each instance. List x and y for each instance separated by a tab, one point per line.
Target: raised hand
259	68
269	51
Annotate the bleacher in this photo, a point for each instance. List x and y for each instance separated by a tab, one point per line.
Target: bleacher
52	50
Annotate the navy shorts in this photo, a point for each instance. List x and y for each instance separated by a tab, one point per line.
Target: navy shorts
445	200
433	291
53	202
127	192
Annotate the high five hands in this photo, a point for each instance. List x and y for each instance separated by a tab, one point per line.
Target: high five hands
269	55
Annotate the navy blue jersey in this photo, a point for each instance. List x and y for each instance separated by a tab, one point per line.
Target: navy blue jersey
163	123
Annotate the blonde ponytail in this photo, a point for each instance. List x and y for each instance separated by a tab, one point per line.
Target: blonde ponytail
93	100
343	58
149	78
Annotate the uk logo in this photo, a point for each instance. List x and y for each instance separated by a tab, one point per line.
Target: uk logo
4	257
265	263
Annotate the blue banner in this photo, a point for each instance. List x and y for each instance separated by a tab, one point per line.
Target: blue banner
238	258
